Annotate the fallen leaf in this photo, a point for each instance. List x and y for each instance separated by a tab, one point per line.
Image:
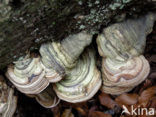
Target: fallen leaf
56	111
67	113
106	100
146	84
81	111
146	95
82	108
127	99
153	103
99	114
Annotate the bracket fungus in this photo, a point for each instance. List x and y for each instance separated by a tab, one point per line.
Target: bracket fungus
82	82
73	72
8	101
28	76
121	45
32	75
46	98
57	57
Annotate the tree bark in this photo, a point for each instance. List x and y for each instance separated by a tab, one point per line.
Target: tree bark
29	23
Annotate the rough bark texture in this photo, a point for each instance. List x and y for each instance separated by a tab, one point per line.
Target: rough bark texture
28	23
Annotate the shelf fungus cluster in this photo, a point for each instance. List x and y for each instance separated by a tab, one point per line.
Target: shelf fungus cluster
67	70
121	45
33	75
58	57
82	82
8	101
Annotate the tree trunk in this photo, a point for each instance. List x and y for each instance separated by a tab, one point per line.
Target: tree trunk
25	24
